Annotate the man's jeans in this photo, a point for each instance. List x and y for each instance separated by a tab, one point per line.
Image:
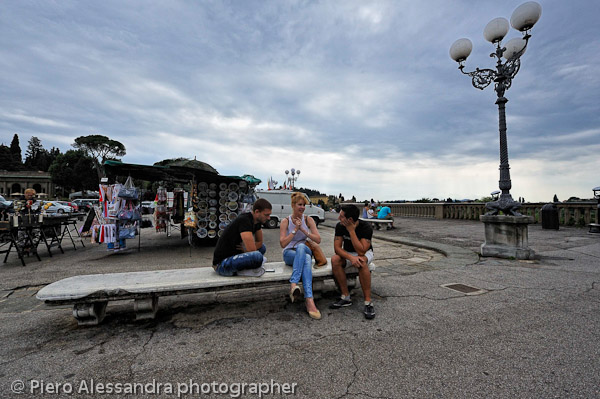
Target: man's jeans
248	260
301	261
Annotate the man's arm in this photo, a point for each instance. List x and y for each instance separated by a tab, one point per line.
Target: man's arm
248	241
360	246
356	261
337	247
258	239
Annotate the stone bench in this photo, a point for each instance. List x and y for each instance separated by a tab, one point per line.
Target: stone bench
90	294
594	228
377	223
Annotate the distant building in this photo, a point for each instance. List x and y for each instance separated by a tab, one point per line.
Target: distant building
15	182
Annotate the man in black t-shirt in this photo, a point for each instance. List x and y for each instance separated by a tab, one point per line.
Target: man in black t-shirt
352	245
240	249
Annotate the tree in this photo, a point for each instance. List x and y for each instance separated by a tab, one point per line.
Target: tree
6	160
36	155
100	148
74	170
15	151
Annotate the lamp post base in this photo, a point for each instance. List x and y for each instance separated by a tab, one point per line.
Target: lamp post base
504	204
506	237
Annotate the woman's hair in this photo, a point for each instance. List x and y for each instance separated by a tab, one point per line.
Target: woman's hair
297	196
30	191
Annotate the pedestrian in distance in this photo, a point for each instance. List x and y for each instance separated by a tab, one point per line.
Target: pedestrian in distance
385	213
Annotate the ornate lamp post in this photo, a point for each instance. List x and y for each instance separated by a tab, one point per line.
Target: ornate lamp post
522	19
506	235
292	180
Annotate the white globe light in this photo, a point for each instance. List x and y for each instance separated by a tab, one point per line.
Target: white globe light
460	49
496	29
513	46
525	16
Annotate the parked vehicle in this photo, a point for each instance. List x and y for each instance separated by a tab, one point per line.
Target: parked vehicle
281	200
148	207
5	206
56	207
71	204
4	201
85	204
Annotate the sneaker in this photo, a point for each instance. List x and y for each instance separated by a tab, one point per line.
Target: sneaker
341	303
369	312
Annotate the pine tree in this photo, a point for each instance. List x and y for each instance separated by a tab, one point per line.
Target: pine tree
6	161
15	151
34	155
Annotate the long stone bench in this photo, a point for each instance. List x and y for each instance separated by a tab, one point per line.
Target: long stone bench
378	222
90	294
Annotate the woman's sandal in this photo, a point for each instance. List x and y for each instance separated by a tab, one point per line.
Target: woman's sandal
295	294
315	315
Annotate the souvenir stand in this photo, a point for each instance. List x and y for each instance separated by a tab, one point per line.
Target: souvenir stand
214	205
205	203
118	217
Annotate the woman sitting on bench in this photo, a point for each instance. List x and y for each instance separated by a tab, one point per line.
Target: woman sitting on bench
293	232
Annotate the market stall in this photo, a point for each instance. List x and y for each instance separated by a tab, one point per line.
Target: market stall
119	215
204	203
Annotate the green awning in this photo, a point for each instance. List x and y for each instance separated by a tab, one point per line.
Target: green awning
181	172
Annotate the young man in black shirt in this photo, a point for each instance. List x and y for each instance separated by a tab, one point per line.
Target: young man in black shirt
240	249
353	247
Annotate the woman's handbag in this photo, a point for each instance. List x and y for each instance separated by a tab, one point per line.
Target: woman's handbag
129	212
320	259
128	191
126	232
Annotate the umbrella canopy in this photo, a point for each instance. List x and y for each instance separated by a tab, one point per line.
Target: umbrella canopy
187	163
177	170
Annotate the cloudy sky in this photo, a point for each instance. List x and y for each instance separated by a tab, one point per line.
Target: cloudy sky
361	96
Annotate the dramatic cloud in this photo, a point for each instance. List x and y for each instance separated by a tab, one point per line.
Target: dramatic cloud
361	96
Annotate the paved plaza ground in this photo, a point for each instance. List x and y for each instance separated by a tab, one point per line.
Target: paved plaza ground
533	332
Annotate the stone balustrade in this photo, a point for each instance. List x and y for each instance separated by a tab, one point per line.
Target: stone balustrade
570	213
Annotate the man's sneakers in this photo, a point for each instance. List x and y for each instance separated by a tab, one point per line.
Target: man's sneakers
342	303
369	311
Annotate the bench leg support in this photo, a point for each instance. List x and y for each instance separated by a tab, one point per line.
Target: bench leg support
318	287
89	314
145	308
351	280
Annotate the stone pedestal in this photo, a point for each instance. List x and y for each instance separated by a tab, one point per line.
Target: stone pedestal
506	237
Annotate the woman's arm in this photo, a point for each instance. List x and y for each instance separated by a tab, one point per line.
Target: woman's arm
284	237
313	233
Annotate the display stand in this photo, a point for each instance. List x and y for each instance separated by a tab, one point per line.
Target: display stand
120	216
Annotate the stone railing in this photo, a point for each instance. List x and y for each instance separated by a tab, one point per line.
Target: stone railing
570	213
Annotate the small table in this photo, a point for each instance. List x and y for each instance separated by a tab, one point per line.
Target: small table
22	234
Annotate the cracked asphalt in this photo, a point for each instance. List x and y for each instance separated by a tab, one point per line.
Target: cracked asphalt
533	332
